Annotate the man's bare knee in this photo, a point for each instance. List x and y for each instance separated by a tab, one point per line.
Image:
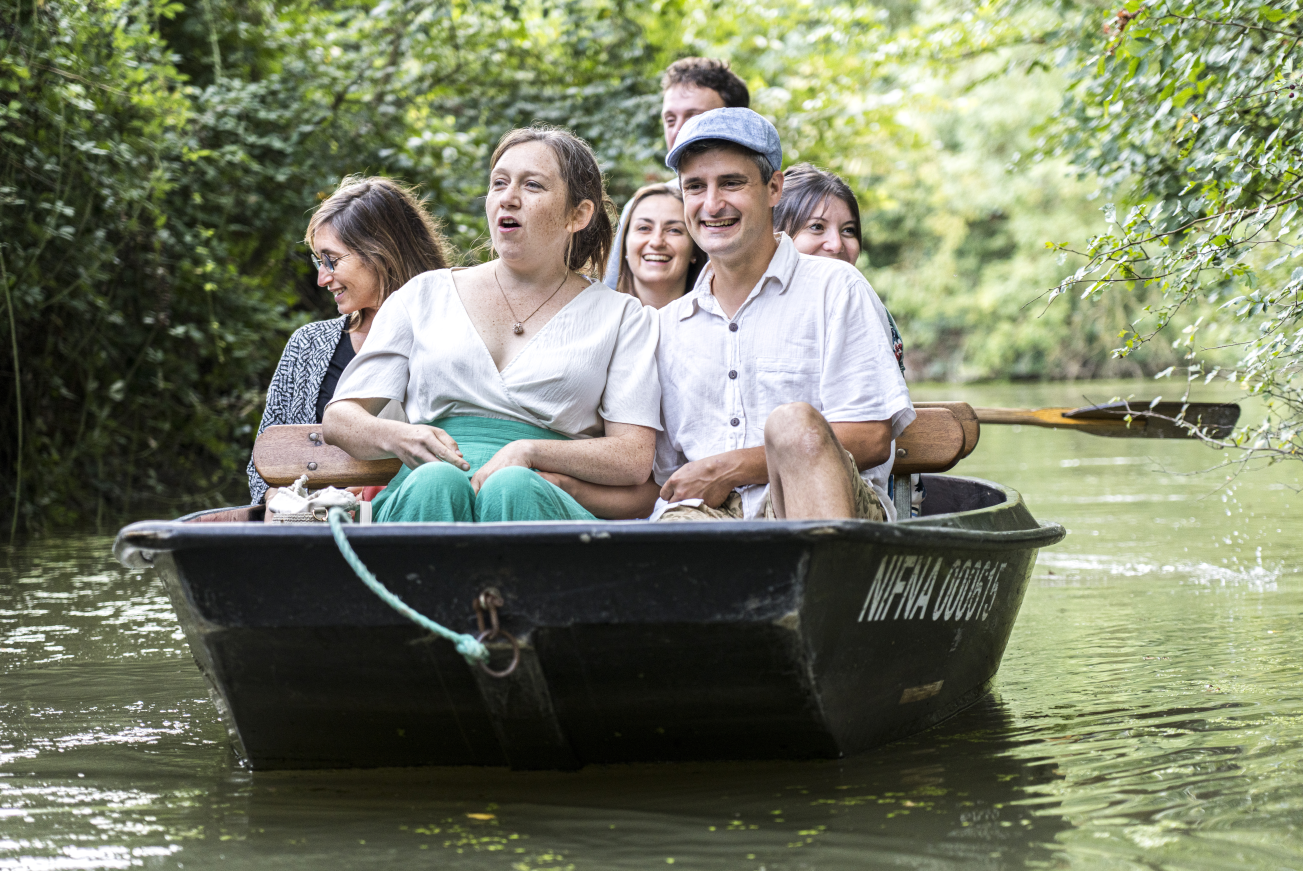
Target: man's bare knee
797	428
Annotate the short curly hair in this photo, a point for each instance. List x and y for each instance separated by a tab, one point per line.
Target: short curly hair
708	72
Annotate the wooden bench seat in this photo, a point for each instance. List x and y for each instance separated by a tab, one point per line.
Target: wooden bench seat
942	435
283	453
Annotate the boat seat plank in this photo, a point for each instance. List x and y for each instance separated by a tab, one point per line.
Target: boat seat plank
967	417
283	453
934	442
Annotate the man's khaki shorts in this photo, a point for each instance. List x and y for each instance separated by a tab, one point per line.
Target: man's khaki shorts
867	504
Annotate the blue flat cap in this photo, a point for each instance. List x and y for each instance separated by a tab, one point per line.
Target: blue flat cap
741	126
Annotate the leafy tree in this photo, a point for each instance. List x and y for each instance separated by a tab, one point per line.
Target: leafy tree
929	110
157	162
1192	110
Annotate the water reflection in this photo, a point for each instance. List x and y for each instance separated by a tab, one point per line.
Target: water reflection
949	800
1149	713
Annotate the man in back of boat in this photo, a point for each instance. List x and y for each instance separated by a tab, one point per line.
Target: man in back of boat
689	87
780	394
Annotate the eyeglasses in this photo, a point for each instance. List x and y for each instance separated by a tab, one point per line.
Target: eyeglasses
327	261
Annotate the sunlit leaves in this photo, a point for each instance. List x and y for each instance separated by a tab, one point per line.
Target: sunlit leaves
157	165
1204	138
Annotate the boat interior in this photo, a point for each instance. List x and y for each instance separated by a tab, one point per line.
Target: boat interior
942	434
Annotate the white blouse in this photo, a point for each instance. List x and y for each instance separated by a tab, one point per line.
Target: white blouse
595	361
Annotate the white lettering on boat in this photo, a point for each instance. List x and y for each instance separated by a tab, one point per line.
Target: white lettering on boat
904	586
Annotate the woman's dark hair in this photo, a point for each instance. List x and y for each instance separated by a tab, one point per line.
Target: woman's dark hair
591	246
805	187
708	72
698	261
384	224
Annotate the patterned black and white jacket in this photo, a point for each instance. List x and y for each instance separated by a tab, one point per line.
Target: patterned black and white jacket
292	394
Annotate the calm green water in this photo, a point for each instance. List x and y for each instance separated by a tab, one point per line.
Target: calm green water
1148	714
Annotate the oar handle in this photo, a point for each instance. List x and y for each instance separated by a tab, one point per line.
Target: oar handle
1008	415
1051	417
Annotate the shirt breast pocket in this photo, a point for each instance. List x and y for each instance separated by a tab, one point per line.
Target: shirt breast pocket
780	380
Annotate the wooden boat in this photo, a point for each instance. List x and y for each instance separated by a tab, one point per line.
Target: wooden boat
637	641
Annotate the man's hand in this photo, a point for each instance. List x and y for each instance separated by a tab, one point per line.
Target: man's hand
516	453
565	482
418	444
710	480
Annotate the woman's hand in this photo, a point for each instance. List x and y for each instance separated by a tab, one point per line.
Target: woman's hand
417	444
607	502
352	424
518	453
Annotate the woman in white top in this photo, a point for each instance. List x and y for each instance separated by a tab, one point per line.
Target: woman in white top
514	367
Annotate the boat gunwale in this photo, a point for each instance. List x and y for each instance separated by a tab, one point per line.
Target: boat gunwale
136	543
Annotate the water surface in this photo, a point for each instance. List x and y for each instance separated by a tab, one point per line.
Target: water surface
1148	714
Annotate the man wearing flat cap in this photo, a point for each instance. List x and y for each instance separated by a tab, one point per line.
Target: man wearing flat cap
689	87
781	396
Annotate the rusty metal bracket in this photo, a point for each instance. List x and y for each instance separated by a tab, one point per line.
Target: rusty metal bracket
490	601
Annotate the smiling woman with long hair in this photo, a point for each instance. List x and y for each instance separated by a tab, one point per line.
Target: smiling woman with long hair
661	261
512	368
369	238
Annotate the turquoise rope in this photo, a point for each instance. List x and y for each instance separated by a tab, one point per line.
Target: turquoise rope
467	645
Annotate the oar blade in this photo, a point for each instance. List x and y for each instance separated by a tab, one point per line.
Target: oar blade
1216	420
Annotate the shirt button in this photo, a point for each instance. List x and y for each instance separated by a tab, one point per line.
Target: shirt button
734	422
732	328
732	373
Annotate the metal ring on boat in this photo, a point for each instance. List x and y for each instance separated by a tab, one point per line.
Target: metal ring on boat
489	635
491	600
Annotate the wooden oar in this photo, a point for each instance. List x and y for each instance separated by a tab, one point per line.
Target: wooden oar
1216	420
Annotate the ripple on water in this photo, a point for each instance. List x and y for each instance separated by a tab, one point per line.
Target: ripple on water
84	857
1057	569
76	604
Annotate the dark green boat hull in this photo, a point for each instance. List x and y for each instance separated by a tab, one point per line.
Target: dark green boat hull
640	641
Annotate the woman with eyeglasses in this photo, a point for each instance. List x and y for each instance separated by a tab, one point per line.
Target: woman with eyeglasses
369	238
514	368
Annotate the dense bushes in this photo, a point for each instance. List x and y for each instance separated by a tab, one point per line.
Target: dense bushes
157	165
158	160
1191	107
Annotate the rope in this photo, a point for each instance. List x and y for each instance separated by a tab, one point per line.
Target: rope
467	645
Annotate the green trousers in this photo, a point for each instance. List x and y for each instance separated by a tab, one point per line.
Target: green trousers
441	493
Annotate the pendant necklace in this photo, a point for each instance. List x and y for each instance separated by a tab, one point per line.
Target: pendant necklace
518	326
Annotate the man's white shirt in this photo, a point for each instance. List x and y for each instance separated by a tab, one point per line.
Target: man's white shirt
812	330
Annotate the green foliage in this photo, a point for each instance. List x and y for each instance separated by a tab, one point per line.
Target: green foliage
928	113
158	161
1192	107
158	164
969	218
